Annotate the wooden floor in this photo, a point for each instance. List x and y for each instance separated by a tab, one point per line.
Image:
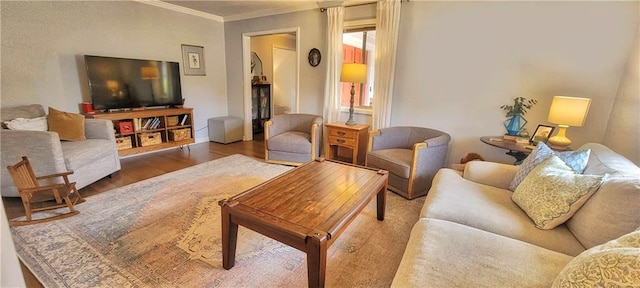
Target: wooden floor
146	166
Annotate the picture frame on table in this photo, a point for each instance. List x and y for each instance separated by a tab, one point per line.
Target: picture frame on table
193	60
542	134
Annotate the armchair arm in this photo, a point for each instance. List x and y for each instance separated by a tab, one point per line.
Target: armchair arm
428	157
46	157
315	143
490	173
316	137
99	129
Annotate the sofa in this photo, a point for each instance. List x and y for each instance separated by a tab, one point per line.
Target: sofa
471	233
90	160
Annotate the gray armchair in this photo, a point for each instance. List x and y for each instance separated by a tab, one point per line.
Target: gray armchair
91	159
292	139
412	155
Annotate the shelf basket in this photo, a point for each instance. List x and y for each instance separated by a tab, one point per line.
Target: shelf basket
148	139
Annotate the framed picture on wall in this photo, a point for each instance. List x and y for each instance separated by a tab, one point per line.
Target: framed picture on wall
193	60
542	134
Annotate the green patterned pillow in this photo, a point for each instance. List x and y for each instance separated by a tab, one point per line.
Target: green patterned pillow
612	264
553	192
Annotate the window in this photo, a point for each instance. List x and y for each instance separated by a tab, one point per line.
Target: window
358	46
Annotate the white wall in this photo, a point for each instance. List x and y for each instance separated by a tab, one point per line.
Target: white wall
623	132
312	25
458	62
43	44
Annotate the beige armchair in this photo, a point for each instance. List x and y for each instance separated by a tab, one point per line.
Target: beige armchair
412	155
292	139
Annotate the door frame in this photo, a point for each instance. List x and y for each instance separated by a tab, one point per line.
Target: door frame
246	73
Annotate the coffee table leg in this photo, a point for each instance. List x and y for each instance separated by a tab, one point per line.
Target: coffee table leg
229	239
316	259
382	202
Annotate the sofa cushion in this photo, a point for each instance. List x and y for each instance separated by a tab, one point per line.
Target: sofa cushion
616	201
489	208
446	254
27	111
577	160
613	264
292	141
396	161
69	126
30	124
553	192
84	153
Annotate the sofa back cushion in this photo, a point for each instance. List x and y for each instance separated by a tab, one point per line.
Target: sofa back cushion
28	111
613	210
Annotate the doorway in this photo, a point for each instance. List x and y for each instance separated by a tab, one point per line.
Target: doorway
266	54
284	80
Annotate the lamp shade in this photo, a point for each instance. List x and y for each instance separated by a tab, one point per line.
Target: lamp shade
354	73
149	72
569	111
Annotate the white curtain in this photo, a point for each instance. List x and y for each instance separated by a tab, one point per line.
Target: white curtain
387	25
335	17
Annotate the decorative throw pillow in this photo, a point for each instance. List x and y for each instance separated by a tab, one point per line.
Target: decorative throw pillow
32	124
612	264
553	192
577	160
69	126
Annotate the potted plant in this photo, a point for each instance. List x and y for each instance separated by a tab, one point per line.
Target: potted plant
515	113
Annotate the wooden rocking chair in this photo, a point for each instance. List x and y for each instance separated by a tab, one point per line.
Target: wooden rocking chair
31	192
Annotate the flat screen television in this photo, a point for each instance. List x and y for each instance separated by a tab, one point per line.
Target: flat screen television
120	83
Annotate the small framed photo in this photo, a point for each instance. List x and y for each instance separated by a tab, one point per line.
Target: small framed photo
542	134
193	60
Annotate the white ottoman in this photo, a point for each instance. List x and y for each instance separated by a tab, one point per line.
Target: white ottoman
225	129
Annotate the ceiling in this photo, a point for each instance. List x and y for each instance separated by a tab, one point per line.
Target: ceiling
239	9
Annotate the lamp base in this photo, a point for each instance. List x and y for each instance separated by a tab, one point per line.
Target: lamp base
560	141
351	122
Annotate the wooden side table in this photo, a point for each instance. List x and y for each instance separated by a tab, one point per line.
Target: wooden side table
353	137
518	151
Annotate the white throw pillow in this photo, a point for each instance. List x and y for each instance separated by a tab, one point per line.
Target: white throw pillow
612	264
32	124
553	192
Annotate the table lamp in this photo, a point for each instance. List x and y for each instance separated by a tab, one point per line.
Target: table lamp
353	73
566	111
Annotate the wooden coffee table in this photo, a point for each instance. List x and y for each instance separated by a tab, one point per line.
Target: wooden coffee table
306	208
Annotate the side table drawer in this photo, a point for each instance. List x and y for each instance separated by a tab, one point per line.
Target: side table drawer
343	133
333	140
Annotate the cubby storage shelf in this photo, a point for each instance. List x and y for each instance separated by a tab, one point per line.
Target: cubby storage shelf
134	121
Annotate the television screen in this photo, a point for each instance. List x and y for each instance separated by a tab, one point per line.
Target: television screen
118	83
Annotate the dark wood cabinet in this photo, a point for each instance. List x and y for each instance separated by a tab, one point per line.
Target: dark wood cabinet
261	106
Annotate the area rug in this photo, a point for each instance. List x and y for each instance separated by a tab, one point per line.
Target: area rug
165	232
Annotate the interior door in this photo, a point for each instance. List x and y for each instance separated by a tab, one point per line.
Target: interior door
284	80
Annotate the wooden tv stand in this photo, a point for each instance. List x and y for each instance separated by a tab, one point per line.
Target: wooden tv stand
136	132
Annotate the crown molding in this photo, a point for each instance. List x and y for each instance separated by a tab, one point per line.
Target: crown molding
309	6
181	9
